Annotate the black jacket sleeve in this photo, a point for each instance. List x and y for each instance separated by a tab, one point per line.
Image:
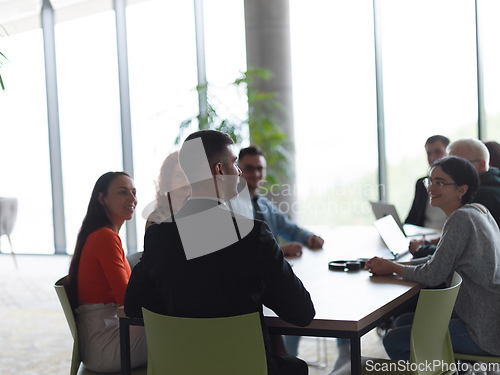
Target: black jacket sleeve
284	292
417	211
141	290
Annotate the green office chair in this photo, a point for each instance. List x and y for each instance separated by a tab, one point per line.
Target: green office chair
211	346
430	339
76	369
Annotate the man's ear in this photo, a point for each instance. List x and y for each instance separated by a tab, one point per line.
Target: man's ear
218	169
482	166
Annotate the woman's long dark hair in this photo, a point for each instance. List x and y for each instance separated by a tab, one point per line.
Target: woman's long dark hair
95	218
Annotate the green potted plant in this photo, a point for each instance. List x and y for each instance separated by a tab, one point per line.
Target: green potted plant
262	122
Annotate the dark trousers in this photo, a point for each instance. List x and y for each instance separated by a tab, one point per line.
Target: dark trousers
286	365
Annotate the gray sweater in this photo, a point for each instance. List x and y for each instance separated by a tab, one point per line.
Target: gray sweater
470	245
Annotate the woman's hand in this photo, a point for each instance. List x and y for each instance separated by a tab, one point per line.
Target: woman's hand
382	267
415	245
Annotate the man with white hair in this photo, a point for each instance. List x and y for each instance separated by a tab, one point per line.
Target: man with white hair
476	152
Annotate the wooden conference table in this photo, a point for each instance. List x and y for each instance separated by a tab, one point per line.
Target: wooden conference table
348	304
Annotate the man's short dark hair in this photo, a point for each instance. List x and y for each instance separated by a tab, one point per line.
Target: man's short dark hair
436	138
494	149
251	150
215	144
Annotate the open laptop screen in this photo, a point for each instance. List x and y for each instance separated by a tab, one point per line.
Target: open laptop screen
393	237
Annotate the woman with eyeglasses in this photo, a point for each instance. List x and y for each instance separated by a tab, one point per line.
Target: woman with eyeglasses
470	245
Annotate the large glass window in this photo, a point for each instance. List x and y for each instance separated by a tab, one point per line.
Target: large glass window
89	110
490	32
226	56
24	149
163	78
333	67
429	78
430	86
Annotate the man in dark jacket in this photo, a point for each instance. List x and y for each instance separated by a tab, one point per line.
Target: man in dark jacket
207	261
421	212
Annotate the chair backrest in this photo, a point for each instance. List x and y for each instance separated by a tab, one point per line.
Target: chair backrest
60	287
430	338
8	215
76	361
209	346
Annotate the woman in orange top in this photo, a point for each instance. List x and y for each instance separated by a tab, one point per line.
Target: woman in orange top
99	274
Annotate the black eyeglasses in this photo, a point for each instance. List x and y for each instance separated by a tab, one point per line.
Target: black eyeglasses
428	182
251	168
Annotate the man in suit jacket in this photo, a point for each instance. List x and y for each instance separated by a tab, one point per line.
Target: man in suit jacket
421	212
209	262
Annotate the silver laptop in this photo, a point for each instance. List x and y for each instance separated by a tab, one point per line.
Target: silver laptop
393	237
381	209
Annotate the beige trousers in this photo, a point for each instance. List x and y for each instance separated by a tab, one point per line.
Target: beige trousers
99	338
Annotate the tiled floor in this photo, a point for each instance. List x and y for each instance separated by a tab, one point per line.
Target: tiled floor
371	346
34	336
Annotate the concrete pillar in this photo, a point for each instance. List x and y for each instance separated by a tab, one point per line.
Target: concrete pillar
267	25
